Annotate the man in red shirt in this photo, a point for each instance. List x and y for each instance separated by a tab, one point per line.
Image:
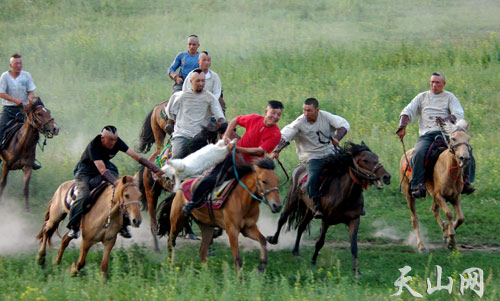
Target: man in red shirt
262	135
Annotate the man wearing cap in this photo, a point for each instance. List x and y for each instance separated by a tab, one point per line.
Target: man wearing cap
314	133
95	166
185	61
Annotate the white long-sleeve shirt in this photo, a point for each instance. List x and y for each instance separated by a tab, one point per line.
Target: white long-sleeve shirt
191	111
212	83
429	106
308	136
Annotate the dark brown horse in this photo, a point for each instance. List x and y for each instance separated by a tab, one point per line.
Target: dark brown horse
238	215
445	185
152	187
347	173
153	130
20	151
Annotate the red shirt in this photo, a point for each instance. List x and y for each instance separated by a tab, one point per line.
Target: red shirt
257	134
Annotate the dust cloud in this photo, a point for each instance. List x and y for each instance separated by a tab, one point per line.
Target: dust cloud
17	228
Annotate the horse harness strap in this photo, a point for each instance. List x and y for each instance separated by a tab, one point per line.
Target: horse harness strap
364	173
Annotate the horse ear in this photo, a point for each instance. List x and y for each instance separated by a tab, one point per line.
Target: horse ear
124	180
363	143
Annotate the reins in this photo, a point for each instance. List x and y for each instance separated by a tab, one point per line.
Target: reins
121	203
284	170
32	119
407	166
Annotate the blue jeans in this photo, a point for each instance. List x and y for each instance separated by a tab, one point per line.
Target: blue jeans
314	168
417	161
9	113
180	147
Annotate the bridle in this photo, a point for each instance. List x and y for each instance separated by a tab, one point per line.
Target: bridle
263	192
121	202
36	123
452	147
365	174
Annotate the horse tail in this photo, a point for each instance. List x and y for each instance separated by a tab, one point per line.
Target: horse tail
142	189
44	230
164	215
146	137
295	206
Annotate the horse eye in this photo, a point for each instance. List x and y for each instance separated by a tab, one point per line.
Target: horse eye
453	139
264	182
126	195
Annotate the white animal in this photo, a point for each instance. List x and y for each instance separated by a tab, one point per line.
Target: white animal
196	163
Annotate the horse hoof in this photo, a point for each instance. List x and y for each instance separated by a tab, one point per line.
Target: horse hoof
41	260
271	240
357	274
296	254
73	271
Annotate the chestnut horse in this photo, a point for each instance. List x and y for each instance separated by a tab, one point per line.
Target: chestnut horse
445	185
238	215
153	130
347	173
20	151
101	224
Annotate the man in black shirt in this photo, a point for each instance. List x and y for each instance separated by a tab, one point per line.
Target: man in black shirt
95	166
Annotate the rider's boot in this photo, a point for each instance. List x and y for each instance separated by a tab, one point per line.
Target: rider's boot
74	232
468	188
124	230
317	207
419	191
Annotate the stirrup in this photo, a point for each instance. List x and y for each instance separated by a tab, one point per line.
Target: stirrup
125	233
318	214
73	233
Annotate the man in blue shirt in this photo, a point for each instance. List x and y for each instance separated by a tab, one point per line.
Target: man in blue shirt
185	61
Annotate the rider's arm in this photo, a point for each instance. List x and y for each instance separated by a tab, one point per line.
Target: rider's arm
144	162
31	94
6	96
175	65
228	135
106	174
254	151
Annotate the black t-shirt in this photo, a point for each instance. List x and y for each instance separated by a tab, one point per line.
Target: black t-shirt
96	151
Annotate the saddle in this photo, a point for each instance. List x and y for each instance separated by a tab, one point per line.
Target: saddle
431	156
216	198
90	201
11	129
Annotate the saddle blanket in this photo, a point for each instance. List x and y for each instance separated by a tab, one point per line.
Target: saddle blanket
218	196
94	194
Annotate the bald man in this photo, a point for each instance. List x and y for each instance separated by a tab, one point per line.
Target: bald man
185	61
190	111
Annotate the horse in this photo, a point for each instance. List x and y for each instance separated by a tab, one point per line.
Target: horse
101	224
347	173
445	185
153	130
21	149
152	187
239	214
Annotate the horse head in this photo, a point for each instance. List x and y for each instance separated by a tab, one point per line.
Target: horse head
367	167
129	195
40	118
459	141
267	184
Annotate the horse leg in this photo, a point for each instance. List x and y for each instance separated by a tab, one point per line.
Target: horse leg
3	181
207	232
302	227
176	222
27	177
320	242
108	246
232	233
64	244
414	221
282	220
442	224
353	237
459	213
254	233
152	196
448	228
84	249
48	229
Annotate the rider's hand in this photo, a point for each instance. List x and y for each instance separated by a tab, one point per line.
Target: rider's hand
335	141
401	133
440	121
274	155
229	146
160	173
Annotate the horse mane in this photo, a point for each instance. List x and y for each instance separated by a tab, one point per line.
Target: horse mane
37	101
339	163
208	134
265	163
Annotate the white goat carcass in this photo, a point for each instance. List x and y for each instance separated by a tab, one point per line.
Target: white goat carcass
195	163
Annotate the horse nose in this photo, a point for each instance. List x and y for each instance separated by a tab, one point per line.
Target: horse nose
275	208
136	222
55	130
387	179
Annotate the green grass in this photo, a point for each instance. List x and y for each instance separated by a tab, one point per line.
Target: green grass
104	62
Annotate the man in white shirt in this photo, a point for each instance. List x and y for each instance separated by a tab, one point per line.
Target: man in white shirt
191	110
432	105
313	132
212	80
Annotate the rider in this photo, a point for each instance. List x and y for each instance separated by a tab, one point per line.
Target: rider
261	136
186	61
212	80
432	106
313	131
191	110
16	89
94	166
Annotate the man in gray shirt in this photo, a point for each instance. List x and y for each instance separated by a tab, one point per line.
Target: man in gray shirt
191	110
435	104
313	132
16	89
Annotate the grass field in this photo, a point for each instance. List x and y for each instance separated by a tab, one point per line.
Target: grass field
101	62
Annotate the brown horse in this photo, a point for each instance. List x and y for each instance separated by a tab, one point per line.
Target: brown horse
348	172
20	151
152	187
238	215
445	185
101	224
153	130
